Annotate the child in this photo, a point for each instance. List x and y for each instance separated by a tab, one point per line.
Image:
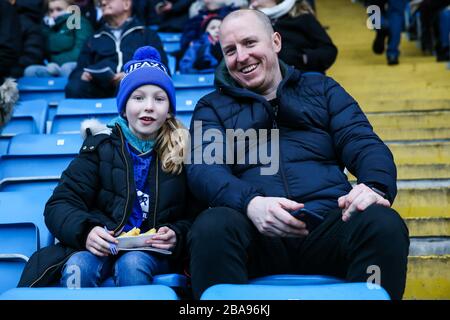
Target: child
204	55
129	174
63	41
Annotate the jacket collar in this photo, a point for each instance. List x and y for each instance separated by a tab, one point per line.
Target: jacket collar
224	82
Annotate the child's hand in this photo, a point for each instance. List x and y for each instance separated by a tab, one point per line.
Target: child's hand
165	239
98	240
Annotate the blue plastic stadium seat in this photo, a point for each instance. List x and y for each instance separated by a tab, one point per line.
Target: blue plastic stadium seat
86	106
169	36
11	269
193	80
22	232
28	117
185	117
35	162
4	144
172	63
45	144
295	280
173	280
188	98
171	47
149	292
52	89
340	291
26	208
24	169
72	123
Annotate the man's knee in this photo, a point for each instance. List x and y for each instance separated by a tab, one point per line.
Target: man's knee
385	223
217	223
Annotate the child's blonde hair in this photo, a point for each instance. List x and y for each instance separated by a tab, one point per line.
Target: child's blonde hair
171	143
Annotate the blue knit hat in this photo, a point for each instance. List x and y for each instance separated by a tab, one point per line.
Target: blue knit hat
145	68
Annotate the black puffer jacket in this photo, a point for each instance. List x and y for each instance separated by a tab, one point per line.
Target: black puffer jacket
97	189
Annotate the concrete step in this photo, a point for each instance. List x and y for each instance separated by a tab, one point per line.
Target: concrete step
417	125
428	277
428	227
429	246
423	199
423	152
377	104
421	171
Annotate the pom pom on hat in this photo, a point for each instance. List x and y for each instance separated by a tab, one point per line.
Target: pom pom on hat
147	52
145	68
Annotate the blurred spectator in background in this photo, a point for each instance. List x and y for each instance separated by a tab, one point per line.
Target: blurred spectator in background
99	66
193	30
90	11
204	54
392	23
201	4
166	16
63	41
9	50
429	17
306	44
173	14
31	38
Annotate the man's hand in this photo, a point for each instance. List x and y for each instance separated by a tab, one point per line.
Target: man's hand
165	239
163	7
359	199
98	241
86	76
271	218
117	78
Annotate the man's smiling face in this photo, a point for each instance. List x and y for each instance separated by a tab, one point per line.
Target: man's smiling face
250	52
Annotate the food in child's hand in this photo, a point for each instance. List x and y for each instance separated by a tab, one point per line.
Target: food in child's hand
151	231
133	232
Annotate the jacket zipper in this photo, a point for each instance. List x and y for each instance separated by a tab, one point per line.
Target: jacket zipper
156	193
283	175
117	43
128	180
48	269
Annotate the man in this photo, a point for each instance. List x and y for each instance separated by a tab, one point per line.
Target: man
392	21
249	231
118	38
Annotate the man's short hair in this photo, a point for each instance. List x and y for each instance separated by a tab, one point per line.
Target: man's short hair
262	17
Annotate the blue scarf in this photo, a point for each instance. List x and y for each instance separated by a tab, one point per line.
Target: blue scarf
142	146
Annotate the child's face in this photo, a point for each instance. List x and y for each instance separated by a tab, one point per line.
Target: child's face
146	111
213	29
56	8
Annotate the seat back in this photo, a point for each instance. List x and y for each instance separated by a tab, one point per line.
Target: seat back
22	232
190	81
86	106
35	88
45	144
340	291
28	117
72	123
147	292
187	98
24	169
